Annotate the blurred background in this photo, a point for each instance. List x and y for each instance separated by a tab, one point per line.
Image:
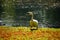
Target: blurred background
13	12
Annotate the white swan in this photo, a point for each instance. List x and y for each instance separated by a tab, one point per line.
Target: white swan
33	22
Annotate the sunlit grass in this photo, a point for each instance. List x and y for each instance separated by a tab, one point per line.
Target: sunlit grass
24	33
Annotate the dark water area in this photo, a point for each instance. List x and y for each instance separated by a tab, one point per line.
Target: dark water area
14	12
53	17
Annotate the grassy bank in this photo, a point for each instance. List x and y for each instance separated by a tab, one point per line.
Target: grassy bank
24	33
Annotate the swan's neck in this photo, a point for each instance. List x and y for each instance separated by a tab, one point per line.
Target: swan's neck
32	17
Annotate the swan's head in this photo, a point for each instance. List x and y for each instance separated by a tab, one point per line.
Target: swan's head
30	13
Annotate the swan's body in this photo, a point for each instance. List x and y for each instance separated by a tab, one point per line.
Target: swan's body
33	23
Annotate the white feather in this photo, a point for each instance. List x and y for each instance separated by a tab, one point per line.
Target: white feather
35	20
